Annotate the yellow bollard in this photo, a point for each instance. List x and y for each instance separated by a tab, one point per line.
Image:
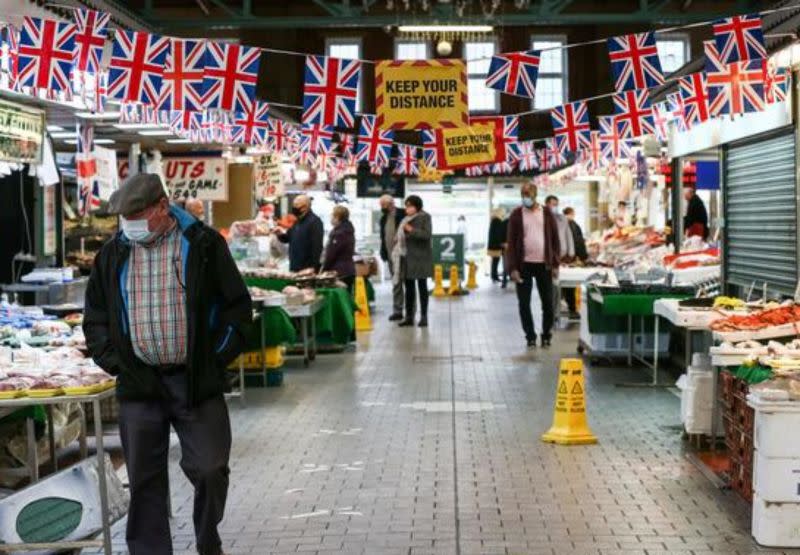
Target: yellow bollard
472	279
569	414
363	319
438	277
455	282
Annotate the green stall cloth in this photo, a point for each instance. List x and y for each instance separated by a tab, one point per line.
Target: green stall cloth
635	304
272	284
279	329
336	322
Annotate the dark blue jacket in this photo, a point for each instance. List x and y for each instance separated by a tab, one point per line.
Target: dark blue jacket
305	243
217	304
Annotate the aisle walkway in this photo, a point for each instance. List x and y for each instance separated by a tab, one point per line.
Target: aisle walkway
428	442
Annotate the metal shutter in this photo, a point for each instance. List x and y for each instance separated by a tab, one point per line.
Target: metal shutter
761	214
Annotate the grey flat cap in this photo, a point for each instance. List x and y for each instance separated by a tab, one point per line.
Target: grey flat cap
137	193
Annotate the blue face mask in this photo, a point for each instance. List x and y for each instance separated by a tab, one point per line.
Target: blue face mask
527	202
137	231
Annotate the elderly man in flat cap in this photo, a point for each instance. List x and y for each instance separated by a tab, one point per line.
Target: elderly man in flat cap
164	309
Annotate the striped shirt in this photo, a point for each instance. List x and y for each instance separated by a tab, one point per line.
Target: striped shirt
157	301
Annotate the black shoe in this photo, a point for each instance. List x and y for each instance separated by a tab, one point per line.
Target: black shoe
423	323
396	317
406	323
532	343
545	341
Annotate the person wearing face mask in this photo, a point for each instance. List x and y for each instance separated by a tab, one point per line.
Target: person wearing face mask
341	247
391	216
164	309
533	253
305	237
195	208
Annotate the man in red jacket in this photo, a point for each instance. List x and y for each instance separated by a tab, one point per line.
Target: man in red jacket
533	253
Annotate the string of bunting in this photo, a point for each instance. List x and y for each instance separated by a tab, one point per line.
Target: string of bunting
205	91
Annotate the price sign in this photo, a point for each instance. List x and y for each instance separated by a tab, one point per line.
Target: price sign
196	178
268	181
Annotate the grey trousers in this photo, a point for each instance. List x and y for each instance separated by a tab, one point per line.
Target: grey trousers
398	292
204	433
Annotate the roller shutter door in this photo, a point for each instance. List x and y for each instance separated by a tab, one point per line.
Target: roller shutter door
761	213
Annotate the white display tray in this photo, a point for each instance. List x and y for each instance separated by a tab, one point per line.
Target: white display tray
669	309
772	332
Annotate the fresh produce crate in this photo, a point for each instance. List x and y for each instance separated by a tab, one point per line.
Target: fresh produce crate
252	359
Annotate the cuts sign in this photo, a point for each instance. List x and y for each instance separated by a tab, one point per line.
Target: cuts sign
196	178
421	94
468	146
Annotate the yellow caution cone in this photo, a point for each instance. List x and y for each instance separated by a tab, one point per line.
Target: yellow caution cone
438	277
472	279
569	414
455	282
363	319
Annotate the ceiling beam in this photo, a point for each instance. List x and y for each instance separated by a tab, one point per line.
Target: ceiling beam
363	20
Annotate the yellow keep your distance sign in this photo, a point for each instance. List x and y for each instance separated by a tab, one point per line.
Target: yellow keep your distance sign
421	94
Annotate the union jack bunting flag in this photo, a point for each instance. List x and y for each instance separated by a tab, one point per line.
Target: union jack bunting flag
661	118
514	73
86	170
46	48
545	164
676	108
740	38
554	153
733	88
11	55
407	163
316	138
503	168
593	154
528	161
430	148
137	66
613	144
347	147
694	96
506	131
633	114
776	87
184	123
229	80
571	125
475	171
634	61
182	86
377	167
374	145
282	136
326	162
90	39
330	91
251	127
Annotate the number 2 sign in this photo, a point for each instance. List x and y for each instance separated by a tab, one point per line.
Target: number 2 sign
448	249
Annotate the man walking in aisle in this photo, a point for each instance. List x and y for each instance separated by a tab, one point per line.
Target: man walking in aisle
695	222
533	254
305	237
164	308
391	216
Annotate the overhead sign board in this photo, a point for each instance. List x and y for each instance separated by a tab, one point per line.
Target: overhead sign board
421	94
21	133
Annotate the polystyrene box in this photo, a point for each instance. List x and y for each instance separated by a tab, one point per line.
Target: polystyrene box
777	480
777	428
776	524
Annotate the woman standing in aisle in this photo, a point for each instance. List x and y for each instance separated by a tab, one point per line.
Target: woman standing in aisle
413	254
497	242
341	247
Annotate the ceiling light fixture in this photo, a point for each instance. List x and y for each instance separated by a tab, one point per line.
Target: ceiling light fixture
104	141
179	141
65	135
445	28
156	133
138	126
54	128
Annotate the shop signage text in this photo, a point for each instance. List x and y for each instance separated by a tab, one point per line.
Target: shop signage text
421	94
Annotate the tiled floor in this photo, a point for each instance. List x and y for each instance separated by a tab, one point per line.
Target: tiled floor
427	441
